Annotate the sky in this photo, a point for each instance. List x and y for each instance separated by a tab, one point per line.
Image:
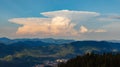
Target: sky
60	19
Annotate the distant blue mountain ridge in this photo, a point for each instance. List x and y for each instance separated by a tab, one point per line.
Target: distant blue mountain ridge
69	46
45	40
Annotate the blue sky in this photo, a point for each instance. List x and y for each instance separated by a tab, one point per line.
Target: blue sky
10	9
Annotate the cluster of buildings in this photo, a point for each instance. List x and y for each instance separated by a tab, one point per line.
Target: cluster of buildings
51	63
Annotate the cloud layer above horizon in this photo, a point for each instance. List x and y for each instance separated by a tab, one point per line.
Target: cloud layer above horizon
64	23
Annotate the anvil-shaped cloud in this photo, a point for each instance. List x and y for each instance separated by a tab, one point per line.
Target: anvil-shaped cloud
57	23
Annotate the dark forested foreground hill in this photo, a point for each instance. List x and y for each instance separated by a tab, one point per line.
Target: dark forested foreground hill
26	53
93	60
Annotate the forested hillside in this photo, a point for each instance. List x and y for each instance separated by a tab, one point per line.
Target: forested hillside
93	60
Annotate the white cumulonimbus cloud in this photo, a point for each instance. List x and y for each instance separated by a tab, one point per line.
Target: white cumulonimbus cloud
83	29
56	23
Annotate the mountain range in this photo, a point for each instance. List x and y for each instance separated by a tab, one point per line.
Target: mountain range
32	51
57	46
45	40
